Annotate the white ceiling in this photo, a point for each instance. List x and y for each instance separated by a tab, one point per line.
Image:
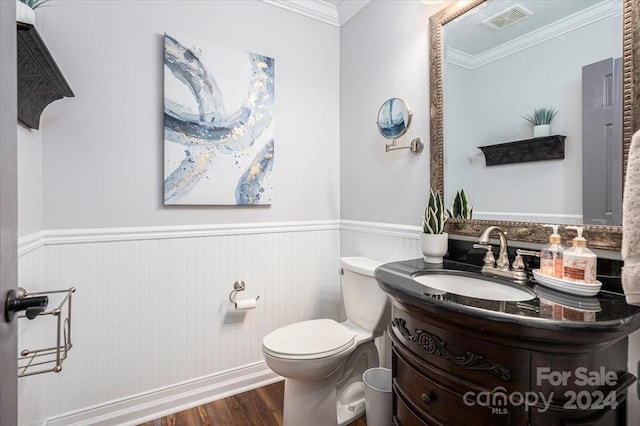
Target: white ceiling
475	38
467	34
334	12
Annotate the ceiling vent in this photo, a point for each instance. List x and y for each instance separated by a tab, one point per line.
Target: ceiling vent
507	17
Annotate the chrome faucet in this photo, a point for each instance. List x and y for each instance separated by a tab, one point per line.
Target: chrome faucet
501	266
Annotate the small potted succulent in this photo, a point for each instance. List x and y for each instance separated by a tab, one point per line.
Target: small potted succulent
433	239
541	121
460	207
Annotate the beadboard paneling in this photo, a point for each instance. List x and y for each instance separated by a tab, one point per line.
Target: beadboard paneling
152	312
384	242
381	241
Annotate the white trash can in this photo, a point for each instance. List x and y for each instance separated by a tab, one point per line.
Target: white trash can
377	396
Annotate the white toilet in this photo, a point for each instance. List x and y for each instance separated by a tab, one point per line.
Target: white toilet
323	360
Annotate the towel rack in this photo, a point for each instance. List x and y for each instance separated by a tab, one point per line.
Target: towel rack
49	359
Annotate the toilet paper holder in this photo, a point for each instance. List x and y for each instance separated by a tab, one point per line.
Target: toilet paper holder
237	286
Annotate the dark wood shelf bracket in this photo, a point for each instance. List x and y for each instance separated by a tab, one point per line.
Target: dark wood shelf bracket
40	81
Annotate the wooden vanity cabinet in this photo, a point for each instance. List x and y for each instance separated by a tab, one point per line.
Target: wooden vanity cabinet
447	365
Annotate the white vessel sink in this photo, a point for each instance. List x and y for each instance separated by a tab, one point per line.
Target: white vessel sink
475	287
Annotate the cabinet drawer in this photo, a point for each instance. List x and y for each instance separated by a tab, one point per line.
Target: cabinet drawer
404	416
484	364
438	404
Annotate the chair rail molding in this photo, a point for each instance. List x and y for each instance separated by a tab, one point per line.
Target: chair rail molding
38	239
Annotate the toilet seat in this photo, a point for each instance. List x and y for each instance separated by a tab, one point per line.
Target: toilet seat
308	340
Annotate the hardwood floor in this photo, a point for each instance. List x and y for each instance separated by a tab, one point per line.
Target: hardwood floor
259	407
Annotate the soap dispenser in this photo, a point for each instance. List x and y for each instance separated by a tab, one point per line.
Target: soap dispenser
579	263
551	255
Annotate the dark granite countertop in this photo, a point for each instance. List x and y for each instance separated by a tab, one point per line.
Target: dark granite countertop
607	312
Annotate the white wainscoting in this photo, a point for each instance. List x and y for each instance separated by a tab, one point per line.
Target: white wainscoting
384	242
151	316
380	241
153	331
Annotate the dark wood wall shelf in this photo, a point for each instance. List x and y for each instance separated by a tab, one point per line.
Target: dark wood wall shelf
40	81
536	149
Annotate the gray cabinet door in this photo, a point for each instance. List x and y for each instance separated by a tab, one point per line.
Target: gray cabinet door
8	211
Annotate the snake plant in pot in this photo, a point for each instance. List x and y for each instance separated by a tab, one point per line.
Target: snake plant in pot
460	207
433	239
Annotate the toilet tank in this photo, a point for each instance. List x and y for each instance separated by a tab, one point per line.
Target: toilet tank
365	303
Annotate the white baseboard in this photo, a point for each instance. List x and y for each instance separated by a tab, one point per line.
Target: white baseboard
154	404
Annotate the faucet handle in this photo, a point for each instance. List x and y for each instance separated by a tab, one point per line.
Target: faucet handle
528	252
518	263
483	246
523	252
488	259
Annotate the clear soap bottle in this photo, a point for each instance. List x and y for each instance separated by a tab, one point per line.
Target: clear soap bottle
579	263
551	261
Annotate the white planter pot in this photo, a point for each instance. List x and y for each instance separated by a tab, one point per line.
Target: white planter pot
434	246
541	130
25	14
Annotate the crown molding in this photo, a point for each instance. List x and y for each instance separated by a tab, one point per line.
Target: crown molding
321	10
349	9
570	23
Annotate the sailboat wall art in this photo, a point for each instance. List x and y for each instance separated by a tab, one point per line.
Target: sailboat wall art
218	125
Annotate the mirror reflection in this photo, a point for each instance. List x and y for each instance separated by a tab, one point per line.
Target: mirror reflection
504	59
394	118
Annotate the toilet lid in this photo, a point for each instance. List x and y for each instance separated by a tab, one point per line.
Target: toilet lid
308	339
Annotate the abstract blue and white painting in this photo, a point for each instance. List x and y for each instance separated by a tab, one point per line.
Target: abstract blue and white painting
218	125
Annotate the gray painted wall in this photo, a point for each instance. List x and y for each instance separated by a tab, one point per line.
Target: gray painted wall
102	151
29	180
384	54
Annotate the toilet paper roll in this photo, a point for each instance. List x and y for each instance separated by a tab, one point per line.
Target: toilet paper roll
244	304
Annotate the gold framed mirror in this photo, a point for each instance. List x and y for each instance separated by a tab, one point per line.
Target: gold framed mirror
600	236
